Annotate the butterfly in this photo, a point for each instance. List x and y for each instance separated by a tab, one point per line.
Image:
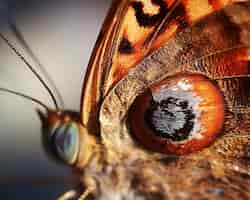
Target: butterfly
164	107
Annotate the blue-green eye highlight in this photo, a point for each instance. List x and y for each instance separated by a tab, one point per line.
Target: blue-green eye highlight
66	140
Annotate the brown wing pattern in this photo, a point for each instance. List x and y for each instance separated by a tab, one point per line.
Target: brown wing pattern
216	45
131	31
145	41
99	61
147	25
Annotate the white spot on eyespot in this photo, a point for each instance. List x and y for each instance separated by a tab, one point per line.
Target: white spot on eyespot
182	91
184	85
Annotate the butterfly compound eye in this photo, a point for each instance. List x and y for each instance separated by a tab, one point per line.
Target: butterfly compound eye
66	141
178	115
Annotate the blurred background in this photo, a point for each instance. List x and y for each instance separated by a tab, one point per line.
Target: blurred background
61	34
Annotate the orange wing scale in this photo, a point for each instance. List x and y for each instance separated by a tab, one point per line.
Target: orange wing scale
136	40
132	30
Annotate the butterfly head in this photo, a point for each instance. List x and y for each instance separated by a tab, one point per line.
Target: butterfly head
64	138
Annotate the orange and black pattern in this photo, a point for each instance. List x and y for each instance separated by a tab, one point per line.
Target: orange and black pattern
143	45
135	29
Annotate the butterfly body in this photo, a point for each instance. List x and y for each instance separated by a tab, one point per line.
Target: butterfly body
144	47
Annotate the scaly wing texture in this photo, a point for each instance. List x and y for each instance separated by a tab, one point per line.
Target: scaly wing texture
131	31
152	40
216	45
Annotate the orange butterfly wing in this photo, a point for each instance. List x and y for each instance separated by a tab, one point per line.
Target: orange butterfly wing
132	30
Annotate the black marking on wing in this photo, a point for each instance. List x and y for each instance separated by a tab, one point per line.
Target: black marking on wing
125	46
145	19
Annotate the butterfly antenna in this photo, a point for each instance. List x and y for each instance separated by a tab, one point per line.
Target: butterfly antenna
31	69
24	44
24	96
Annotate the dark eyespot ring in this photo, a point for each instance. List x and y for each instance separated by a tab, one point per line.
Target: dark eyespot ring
178	115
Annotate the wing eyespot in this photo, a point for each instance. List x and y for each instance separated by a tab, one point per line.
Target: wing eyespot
178	115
